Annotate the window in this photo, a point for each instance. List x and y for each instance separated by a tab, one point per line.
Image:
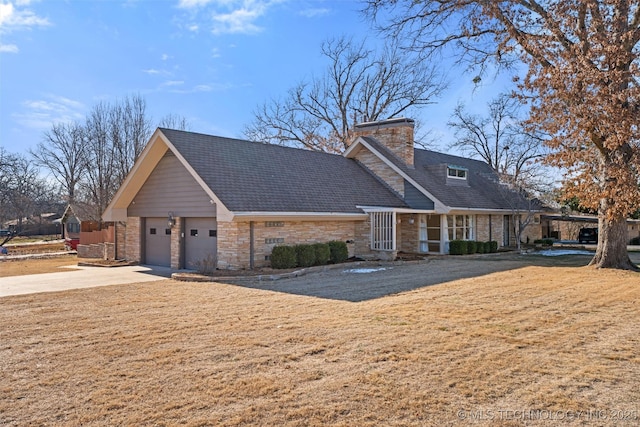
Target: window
194	233
460	227
167	231
382	238
424	247
152	231
456	172
73	227
429	233
213	233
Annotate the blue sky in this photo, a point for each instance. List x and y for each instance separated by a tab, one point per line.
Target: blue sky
211	61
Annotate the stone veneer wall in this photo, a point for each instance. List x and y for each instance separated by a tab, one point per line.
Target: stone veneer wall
396	135
382	170
407	239
121	240
133	238
177	243
482	228
97	250
234	243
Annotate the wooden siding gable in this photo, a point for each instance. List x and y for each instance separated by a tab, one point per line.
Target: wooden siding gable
171	188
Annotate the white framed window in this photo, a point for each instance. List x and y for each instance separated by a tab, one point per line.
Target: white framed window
460	227
422	237
382	231
457	172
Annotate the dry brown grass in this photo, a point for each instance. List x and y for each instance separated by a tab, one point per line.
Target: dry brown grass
167	353
20	267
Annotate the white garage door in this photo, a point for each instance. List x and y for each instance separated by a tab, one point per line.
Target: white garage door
157	236
200	241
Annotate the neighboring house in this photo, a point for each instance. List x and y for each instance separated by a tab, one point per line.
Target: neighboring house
191	196
72	218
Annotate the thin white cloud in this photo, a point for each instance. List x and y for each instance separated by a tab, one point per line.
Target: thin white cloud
151	71
173	83
202	88
189	4
226	16
239	21
9	48
164	57
14	18
40	114
312	13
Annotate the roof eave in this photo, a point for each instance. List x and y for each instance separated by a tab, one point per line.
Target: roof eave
303	216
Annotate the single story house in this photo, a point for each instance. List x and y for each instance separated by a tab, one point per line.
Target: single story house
191	197
72	218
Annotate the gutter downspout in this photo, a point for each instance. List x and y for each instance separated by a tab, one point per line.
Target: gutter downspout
251	248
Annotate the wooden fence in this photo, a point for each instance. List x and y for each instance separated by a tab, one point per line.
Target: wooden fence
92	232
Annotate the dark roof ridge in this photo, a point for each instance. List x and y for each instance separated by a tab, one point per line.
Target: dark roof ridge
257	143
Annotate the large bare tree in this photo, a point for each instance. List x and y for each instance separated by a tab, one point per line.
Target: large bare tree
63	152
501	139
582	77
359	84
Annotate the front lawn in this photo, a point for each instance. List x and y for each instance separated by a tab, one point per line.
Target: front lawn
535	342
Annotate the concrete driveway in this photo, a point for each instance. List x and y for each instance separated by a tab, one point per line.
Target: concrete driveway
81	277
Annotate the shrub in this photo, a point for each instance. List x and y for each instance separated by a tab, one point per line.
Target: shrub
206	266
283	257
471	247
338	251
493	246
480	247
323	253
458	247
635	241
544	242
305	255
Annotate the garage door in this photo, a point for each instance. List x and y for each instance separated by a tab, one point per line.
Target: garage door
200	241
157	242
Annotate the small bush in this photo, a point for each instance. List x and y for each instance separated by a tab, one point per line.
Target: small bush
493	246
544	242
635	241
338	251
283	257
458	247
305	255
206	266
323	253
480	247
471	247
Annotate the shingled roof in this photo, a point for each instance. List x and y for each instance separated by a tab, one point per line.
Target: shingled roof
482	190
254	177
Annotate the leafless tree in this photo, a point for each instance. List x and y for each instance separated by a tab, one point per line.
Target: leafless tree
63	152
583	68
23	191
174	121
359	84
501	139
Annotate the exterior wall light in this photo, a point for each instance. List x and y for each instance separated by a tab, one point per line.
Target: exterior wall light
171	220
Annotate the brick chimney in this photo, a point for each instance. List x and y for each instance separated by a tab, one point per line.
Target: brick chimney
395	134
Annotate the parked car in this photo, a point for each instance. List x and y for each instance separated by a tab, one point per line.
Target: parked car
71	244
588	235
